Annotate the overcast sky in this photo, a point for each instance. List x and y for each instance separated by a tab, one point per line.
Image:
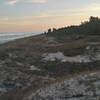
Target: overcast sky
39	15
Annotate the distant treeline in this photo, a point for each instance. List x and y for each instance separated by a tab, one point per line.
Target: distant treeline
91	27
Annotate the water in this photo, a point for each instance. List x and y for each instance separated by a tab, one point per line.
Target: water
5	37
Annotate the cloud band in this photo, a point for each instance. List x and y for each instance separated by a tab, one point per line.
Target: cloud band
14	2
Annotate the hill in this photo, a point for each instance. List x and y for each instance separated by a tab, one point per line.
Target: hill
91	27
47	67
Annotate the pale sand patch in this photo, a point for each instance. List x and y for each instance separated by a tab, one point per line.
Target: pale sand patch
34	68
79	88
60	56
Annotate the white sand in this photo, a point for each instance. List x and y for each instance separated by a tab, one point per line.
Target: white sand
82	87
34	68
60	56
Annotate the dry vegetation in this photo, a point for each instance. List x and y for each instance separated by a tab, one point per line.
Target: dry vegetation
17	56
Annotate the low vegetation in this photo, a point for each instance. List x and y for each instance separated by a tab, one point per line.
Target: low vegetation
91	27
23	69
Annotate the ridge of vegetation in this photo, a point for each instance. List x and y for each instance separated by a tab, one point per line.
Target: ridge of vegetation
91	27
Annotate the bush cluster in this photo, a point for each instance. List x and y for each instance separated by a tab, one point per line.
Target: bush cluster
91	27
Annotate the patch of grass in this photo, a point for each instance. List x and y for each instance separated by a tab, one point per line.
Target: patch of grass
74	52
3	55
73	48
58	69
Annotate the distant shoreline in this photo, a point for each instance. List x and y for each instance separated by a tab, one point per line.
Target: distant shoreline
6	37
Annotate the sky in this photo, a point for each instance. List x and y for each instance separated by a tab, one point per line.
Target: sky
39	15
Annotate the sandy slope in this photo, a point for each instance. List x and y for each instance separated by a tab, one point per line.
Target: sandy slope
82	87
23	70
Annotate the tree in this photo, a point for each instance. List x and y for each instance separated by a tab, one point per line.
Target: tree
91	27
49	30
54	29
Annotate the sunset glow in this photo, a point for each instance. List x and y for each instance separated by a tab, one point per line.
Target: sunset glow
39	15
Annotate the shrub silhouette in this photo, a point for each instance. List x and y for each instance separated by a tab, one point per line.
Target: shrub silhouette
91	27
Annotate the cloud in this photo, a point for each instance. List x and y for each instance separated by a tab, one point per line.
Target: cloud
94	7
13	2
36	1
35	18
